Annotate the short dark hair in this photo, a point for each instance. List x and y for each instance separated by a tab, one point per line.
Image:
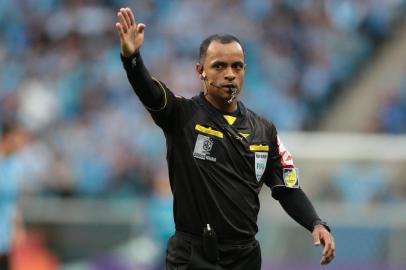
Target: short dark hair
222	38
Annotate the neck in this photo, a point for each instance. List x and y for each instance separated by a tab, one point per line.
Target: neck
222	105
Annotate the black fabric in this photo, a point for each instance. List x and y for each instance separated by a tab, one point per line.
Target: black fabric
187	253
148	91
295	202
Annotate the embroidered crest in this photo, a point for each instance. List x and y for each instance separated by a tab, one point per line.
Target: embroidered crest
291	177
207	145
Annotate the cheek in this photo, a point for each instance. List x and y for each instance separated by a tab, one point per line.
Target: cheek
214	76
241	77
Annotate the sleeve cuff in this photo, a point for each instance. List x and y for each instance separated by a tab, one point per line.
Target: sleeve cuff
131	61
320	222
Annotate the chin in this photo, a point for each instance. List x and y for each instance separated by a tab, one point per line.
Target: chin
224	97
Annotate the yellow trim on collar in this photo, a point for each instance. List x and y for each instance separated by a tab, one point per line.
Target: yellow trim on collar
209	131
245	135
230	119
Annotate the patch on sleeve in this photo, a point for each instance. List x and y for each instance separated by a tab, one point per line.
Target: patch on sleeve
291	177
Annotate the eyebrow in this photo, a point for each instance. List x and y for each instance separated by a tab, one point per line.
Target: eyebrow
218	62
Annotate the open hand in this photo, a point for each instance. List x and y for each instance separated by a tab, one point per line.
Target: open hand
131	34
322	236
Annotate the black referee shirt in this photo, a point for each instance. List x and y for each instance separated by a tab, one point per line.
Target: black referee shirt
218	164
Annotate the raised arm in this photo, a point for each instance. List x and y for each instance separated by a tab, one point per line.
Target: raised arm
131	35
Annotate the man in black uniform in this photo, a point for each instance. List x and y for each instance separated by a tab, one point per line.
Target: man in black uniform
219	155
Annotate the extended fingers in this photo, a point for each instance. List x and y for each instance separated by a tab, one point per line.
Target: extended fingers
329	249
326	259
127	17
120	30
123	22
131	16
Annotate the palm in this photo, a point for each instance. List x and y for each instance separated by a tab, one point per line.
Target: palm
131	34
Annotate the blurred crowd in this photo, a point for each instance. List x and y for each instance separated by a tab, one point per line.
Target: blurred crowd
364	183
392	114
61	78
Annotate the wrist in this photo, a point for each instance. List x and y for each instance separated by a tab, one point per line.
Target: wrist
131	61
322	223
130	55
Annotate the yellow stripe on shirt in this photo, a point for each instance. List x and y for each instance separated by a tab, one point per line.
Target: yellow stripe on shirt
209	131
260	147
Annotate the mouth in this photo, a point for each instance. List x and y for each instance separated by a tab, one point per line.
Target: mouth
228	86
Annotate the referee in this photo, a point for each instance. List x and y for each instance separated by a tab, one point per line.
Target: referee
219	155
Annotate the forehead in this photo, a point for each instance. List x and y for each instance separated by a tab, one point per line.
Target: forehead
229	52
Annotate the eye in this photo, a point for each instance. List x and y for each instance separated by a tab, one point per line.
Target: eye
238	66
219	66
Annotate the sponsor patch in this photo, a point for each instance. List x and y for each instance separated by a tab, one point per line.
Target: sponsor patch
291	177
203	147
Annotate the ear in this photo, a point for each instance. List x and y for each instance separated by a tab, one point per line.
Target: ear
200	71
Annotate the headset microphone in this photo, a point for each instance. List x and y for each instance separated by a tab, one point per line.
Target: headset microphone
231	88
215	85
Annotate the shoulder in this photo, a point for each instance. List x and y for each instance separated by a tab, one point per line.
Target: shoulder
260	121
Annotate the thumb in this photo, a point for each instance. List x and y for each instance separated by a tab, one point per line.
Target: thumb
316	239
140	28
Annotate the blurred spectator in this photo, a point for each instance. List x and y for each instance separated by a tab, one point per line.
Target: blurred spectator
11	174
161	222
33	254
392	116
360	184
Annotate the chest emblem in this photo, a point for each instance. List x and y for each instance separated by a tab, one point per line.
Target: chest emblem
203	147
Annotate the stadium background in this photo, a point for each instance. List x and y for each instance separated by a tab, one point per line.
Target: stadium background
95	195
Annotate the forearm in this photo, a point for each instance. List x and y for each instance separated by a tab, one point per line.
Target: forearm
298	206
146	88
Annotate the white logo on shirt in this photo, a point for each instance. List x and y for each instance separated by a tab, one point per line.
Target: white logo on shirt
203	147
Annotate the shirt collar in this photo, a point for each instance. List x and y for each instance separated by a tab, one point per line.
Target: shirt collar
217	115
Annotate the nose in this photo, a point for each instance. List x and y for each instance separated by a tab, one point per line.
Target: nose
229	74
